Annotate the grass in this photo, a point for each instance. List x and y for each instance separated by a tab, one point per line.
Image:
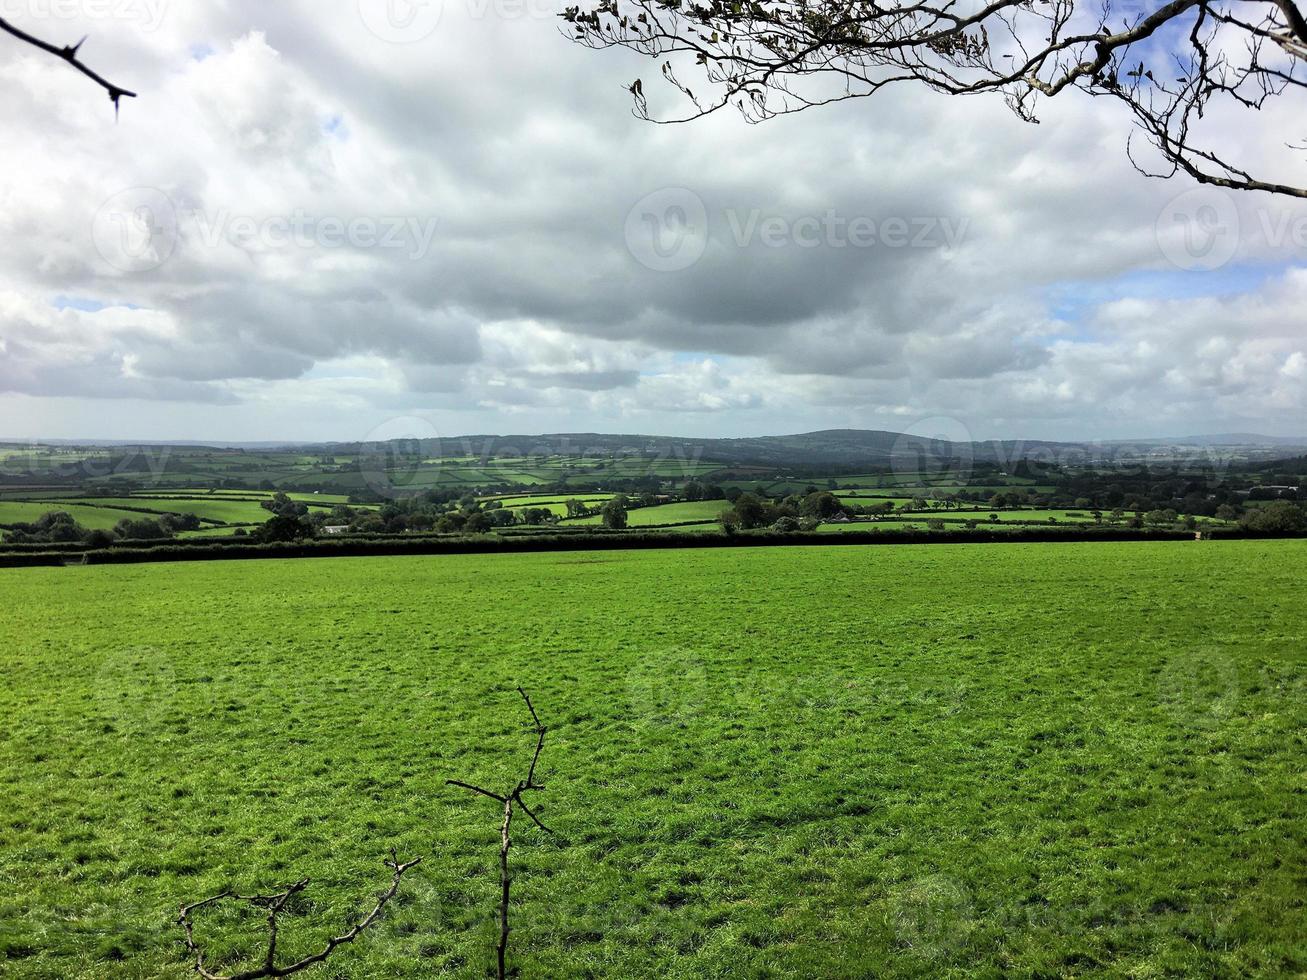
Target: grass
94	518
227	511
676	513
1001	760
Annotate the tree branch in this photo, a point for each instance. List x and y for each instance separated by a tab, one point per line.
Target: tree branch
275	904
69	54
511	800
774	57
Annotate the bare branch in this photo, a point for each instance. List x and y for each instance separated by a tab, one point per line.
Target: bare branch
476	789
69	54
1170	65
511	800
274	905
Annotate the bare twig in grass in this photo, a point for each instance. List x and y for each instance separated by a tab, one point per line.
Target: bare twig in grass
509	801
274	905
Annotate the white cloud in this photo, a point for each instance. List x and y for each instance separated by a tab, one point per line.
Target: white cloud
499	163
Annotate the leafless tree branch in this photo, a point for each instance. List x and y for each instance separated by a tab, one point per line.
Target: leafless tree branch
1171	62
274	904
511	800
69	54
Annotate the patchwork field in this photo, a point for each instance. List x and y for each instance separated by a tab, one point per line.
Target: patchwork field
675	513
95	518
1003	760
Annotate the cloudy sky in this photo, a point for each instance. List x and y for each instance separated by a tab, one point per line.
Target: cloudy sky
326	221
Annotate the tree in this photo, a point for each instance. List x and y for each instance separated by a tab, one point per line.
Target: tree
141	530
174	523
282	504
614	513
751	511
693	490
822	505
1169	67
285	527
1280	516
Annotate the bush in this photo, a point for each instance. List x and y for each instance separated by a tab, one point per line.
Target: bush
1280	516
285	527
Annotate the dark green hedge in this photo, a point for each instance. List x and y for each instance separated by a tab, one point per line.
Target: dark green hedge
629	540
594	539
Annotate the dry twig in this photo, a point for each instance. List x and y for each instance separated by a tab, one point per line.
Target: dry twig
510	800
274	905
68	53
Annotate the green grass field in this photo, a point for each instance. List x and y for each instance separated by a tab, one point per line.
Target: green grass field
981	760
675	513
217	509
94	518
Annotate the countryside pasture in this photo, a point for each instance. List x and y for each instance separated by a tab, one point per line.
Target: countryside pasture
993	760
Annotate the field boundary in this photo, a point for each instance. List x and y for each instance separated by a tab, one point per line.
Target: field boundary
617	541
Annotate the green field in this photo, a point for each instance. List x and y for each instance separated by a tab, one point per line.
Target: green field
94	518
227	511
997	760
675	513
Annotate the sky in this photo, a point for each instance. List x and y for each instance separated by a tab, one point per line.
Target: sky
374	218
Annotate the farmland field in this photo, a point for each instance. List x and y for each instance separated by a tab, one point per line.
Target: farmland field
677	513
1008	760
95	518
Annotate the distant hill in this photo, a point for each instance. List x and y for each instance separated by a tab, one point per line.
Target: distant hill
845	448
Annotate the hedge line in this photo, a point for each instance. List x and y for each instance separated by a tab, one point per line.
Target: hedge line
491	544
130	552
33	560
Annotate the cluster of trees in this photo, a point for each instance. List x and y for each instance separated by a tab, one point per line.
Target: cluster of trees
796	512
59	527
1282	516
